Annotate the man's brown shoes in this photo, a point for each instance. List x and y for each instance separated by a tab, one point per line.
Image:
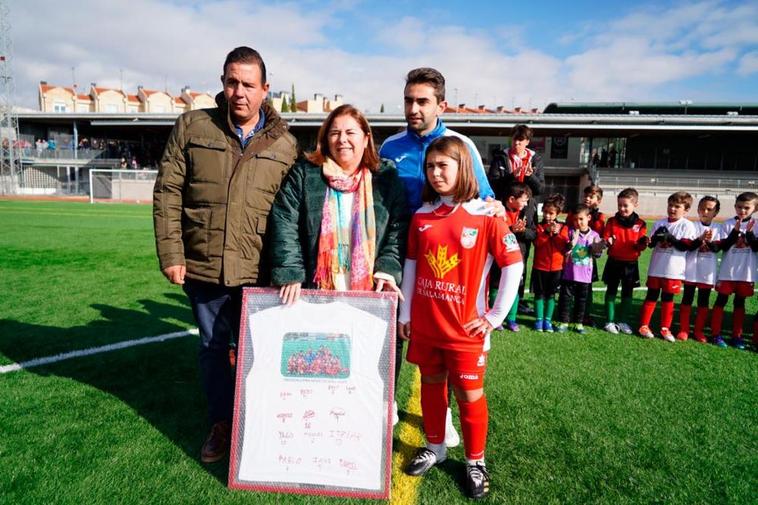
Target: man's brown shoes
216	446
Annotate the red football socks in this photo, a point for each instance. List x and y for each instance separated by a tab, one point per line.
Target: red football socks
474	419
667	314
684	318
648	307
738	321
434	411
717	317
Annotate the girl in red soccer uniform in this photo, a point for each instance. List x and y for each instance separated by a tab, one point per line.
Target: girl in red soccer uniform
452	243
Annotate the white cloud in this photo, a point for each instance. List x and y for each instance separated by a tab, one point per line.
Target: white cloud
160	43
748	64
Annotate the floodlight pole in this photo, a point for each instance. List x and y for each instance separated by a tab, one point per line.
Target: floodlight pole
9	139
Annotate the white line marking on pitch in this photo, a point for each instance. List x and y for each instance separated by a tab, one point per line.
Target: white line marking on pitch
14	367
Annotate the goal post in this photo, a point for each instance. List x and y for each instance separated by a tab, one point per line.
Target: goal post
121	185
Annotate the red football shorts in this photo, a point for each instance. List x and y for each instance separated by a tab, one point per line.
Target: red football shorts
465	369
739	288
672	286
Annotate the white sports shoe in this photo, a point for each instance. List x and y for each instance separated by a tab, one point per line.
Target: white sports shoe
395	418
611	328
625	328
452	439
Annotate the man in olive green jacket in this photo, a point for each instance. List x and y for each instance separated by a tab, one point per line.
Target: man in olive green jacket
220	171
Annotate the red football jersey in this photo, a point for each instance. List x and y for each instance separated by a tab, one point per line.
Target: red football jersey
626	246
550	250
454	248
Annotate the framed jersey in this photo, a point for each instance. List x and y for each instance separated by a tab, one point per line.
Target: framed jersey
313	399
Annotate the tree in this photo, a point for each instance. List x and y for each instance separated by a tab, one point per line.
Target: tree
293	100
285	105
381	109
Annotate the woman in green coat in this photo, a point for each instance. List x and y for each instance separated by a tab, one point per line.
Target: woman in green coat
339	220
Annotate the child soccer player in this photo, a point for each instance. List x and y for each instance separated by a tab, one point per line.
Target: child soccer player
549	255
700	273
738	270
584	245
593	196
522	225
451	245
625	235
753	241
671	239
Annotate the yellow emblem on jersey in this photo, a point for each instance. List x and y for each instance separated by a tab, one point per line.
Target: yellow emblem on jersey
440	263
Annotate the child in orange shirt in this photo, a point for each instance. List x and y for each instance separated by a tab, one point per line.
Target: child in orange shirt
549	256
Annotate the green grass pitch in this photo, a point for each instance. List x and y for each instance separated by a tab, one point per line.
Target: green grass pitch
597	418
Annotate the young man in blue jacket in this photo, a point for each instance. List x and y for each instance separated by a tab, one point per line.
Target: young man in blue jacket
424	99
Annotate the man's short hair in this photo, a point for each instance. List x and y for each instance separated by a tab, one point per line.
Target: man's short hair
594	189
681	198
630	193
517	190
244	54
521	132
747	196
430	76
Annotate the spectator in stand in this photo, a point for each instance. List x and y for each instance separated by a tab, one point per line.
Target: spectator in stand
123	164
519	164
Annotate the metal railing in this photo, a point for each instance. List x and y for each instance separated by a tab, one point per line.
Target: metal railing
62	154
660	179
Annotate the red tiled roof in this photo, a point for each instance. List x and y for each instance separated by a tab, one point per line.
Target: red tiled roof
132	98
84	97
47	87
149	92
179	100
103	90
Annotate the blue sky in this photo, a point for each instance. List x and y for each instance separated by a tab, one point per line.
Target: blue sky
492	53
